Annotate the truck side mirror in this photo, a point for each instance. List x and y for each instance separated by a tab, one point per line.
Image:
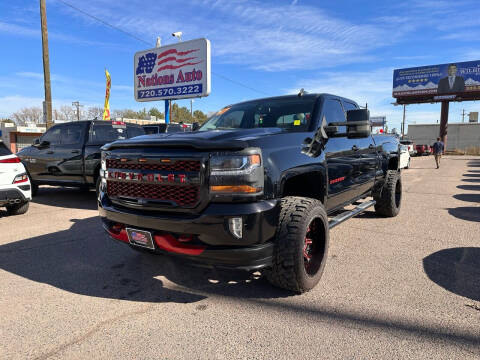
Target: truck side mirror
362	117
36	142
195	126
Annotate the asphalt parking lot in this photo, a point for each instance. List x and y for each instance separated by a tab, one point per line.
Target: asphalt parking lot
404	287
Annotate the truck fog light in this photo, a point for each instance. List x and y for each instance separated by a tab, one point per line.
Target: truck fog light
236	227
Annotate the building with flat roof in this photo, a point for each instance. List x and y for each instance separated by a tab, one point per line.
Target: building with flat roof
17	137
460	136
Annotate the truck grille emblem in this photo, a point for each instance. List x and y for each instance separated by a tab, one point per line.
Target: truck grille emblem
148	178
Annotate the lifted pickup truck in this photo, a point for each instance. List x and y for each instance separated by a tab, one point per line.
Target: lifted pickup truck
68	154
257	187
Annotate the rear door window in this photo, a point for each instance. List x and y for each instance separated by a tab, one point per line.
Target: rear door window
53	135
4	150
133	131
105	133
174	128
149	130
71	134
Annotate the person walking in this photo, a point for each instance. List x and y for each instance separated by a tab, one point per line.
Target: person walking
438	151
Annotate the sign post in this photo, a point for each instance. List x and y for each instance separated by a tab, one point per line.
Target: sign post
172	72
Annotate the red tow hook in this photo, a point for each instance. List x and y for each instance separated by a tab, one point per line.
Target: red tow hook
169	243
118	232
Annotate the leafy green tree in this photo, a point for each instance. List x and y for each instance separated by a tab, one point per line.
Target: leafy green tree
155	112
181	114
199	116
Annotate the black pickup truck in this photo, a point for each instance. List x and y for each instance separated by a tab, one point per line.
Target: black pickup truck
68	154
257	187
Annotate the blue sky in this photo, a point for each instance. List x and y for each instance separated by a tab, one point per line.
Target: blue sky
349	48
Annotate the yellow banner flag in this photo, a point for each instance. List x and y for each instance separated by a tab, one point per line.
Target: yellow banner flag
106	107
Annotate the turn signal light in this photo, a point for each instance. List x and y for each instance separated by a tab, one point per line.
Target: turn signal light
243	189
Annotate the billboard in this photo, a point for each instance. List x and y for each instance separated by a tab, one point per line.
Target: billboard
442	80
177	71
378	121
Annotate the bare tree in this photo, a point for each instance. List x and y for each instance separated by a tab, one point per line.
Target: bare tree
32	114
66	113
94	112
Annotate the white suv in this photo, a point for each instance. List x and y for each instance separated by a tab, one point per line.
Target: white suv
15	187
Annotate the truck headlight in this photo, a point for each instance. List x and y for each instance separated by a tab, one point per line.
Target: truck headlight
103	161
236	174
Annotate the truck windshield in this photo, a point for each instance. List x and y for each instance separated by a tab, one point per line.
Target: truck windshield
293	114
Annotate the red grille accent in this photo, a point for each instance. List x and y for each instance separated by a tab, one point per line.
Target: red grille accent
182	195
180	165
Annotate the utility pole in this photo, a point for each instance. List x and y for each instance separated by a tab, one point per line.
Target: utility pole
463	115
46	64
403	123
77	105
191	108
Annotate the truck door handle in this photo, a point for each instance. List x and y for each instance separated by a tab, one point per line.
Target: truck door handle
75	151
354	148
50	152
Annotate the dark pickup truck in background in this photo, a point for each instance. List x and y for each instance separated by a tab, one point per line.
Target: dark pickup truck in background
152	129
257	187
68	154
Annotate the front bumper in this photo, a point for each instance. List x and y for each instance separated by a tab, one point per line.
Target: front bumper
210	230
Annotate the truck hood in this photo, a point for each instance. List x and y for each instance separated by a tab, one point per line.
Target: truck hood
202	140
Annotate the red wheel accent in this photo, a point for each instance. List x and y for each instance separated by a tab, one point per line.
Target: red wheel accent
306	247
312	247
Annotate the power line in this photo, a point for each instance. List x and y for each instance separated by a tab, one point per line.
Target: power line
102	21
239	83
149	43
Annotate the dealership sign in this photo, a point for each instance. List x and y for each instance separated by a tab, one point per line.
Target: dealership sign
441	80
177	71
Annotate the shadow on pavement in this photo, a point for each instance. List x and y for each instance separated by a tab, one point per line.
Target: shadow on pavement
83	260
472	180
470	213
469	187
468	197
472	175
418	168
66	197
456	270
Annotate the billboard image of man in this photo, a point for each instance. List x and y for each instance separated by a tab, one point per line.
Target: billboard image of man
451	83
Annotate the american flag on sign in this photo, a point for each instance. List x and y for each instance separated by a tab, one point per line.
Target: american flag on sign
139	237
173	59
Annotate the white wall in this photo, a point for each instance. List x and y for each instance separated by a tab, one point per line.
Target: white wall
459	136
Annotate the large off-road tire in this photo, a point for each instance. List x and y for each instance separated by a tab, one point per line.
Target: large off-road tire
389	200
17	209
301	245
